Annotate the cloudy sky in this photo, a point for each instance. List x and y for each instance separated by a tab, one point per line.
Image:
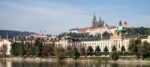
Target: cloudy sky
56	16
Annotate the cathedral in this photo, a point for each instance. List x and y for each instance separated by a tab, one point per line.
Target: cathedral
96	23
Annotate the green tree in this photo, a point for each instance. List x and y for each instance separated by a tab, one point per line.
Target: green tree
145	47
38	47
106	50
59	52
114	54
134	47
28	49
90	51
68	51
82	51
97	51
13	49
123	50
20	49
75	53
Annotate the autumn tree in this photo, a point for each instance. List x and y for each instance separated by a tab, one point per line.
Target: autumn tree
82	51
90	51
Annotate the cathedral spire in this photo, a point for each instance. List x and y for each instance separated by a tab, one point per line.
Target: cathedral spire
120	23
100	19
94	20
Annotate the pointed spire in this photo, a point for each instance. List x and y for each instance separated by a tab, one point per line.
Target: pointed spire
94	21
94	17
120	23
100	19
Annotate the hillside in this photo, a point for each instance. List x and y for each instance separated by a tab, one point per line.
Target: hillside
12	33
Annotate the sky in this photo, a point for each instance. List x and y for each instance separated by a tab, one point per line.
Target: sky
57	16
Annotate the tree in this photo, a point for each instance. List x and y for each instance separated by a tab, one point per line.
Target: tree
28	48
123	50
105	50
19	49
134	47
114	54
75	53
46	50
22	49
59	52
68	51
114	49
82	51
97	51
145	47
38	47
13	49
90	51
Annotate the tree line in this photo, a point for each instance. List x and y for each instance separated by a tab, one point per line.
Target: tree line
139	49
41	49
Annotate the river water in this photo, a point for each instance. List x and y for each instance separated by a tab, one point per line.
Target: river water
68	64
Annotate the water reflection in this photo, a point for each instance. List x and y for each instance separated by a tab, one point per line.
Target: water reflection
4	63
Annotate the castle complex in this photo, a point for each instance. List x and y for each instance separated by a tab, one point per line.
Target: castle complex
116	36
98	34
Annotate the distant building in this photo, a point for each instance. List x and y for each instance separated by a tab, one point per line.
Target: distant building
48	39
7	44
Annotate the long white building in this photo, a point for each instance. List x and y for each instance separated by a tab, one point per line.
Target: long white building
116	41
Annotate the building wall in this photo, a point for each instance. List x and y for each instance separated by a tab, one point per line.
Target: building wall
118	43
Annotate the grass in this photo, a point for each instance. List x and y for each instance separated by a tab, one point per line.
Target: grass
147	59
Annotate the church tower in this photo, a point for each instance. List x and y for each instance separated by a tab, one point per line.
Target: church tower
94	21
101	22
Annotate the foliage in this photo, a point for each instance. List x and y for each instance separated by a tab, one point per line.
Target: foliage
114	49
97	51
81	36
114	54
90	51
68	51
105	50
38	47
145	47
75	53
123	50
47	50
59	52
134	47
82	51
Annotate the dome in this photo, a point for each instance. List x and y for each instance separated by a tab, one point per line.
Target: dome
119	28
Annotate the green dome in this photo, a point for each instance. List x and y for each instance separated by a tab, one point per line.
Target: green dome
119	28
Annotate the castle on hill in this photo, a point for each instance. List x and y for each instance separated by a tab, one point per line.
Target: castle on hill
99	27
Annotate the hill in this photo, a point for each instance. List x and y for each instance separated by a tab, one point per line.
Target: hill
12	33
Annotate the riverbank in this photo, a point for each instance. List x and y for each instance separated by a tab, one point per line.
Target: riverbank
68	60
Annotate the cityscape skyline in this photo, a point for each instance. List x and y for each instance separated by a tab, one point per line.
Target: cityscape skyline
59	16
